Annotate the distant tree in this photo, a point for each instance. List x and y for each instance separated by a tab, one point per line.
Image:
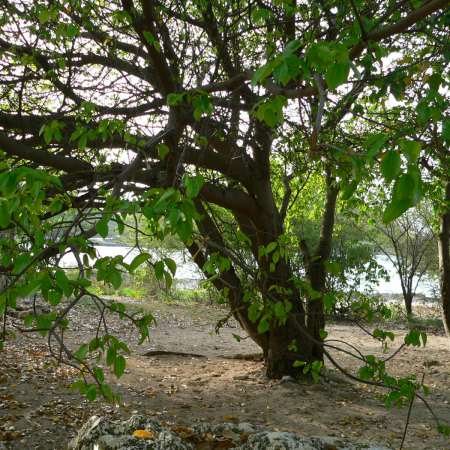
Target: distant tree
352	265
410	245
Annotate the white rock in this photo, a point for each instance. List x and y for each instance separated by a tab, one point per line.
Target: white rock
101	434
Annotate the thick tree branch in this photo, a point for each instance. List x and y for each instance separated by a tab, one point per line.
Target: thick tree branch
68	164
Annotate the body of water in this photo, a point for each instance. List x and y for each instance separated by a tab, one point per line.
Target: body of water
188	274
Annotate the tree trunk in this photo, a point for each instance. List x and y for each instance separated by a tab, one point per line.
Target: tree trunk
281	357
315	308
444	261
316	270
276	343
284	343
408	297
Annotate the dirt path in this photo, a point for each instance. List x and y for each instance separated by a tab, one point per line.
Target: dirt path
39	411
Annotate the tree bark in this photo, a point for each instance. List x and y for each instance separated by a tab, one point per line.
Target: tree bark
291	341
315	307
444	261
408	297
280	359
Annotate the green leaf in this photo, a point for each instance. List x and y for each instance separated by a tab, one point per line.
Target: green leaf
63	282
171	264
151	40
184	230
366	373
8	183
115	278
102	227
20	263
167	195
168	280
82	352
111	354
260	14
292	46
298	363
446	130
193	185
202	106
107	392
374	143
337	74
119	366
329	300
44	16
323	334
54	297
99	374
254	312
411	149
263	325
56	205
279	310
320	55
390	165
175	99
138	260
349	190
263	72
416	338
393	398
71	30
94	344
158	267
434	81
5	214
382	335
237	337
444	429
163	150
333	267
424	337
406	193
271	111
288	68
91	392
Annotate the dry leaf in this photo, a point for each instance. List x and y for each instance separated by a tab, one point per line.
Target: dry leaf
230	418
143	434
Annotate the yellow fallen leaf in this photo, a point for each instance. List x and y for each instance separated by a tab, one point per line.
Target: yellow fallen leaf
230	419
143	434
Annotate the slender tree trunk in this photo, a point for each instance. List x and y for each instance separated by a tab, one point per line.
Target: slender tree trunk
408	297
316	270
406	292
315	308
444	261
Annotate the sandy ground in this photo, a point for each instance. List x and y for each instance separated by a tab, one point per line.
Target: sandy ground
38	410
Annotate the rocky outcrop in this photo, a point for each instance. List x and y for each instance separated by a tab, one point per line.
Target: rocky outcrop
142	433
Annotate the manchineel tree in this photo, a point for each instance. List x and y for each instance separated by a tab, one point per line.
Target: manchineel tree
204	117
